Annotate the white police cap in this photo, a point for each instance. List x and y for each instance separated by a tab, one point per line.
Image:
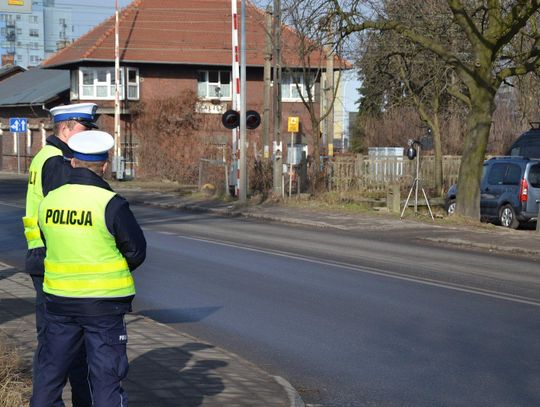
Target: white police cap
91	145
84	113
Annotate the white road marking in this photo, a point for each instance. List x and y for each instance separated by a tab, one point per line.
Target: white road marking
372	270
12	205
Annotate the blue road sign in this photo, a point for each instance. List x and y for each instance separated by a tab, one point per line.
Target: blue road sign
17	125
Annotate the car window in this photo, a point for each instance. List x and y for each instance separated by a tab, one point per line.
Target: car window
513	175
496	174
484	171
531	151
534	176
526	148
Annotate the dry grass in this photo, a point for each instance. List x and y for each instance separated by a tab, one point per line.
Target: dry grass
15	382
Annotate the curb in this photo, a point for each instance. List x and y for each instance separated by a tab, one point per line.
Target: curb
486	246
294	397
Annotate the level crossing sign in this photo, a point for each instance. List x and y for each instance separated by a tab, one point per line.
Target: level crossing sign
18	125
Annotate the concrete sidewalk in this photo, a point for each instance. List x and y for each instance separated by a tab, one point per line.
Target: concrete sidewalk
167	367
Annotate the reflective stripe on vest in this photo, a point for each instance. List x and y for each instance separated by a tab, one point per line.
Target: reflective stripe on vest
34	195
82	258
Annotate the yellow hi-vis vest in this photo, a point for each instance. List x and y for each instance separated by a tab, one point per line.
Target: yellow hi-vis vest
34	195
82	258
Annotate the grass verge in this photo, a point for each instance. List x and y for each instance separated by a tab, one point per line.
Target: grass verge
15	381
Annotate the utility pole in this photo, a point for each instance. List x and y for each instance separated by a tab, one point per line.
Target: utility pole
243	161
278	147
267	80
236	95
117	138
329	93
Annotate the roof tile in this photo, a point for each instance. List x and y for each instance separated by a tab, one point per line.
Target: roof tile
173	32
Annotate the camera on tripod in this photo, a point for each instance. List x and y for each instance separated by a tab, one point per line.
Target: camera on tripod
413	152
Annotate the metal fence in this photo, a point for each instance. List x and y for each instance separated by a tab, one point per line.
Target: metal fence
369	173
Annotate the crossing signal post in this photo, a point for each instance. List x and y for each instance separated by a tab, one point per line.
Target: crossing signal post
231	120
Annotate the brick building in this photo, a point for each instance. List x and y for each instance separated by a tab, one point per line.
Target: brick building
168	47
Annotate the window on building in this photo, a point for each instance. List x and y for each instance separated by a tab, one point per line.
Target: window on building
33	19
62	21
34	32
19	31
214	85
2	31
18	17
132	83
98	83
292	85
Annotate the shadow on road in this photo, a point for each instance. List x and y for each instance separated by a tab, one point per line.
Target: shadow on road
14	308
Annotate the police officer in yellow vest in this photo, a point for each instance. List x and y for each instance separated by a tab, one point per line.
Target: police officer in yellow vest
50	169
93	244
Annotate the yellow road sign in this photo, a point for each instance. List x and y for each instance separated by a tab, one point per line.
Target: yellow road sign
293	124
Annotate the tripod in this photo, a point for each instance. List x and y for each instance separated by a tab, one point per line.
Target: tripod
416	183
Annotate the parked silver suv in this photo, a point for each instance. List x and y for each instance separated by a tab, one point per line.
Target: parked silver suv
509	191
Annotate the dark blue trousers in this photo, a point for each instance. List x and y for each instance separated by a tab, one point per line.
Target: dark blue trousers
105	339
78	371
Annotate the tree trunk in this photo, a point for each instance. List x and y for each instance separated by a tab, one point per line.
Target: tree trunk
436	132
473	155
316	166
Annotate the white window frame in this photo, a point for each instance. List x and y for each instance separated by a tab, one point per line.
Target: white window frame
133	86
288	87
100	83
208	85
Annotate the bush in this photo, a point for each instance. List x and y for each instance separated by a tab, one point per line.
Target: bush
172	138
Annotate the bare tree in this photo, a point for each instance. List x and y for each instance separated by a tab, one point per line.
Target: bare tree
402	73
314	41
501	41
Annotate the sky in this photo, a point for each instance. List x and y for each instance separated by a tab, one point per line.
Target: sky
87	14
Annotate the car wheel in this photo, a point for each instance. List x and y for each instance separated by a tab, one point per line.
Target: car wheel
507	217
451	207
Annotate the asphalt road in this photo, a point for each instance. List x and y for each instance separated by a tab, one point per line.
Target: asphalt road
349	318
